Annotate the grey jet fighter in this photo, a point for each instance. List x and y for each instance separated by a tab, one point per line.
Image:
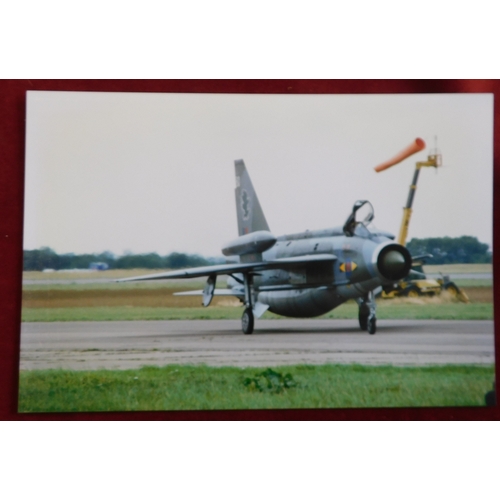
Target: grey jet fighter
304	274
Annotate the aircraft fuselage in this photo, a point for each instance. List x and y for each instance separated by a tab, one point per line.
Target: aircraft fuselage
363	262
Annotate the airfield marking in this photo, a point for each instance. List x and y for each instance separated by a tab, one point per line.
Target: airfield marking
132	344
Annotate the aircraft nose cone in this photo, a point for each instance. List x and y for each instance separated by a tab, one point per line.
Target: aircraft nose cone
394	264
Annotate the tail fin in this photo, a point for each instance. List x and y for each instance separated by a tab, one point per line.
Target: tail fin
248	211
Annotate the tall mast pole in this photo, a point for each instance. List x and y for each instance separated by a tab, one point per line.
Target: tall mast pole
432	161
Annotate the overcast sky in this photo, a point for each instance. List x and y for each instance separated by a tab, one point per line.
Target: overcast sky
155	172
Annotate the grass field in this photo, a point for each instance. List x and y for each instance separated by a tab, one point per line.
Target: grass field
178	387
155	300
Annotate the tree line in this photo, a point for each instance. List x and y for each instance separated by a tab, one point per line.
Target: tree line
46	258
462	250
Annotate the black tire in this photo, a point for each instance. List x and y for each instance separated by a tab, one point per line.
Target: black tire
247	321
363	321
372	325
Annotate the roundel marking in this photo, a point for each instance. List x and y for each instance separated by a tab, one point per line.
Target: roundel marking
348	266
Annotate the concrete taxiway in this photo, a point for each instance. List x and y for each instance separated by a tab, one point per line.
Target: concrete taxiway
132	344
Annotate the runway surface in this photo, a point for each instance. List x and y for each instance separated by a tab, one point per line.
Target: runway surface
132	344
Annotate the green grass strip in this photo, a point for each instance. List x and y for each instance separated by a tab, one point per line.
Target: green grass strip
386	310
181	387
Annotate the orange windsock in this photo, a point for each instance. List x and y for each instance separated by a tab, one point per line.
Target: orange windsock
416	146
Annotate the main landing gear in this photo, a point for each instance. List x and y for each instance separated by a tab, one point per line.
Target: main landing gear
247	320
367	313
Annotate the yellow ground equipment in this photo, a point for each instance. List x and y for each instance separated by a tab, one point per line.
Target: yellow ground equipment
417	284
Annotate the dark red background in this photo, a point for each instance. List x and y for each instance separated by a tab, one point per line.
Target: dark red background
12	133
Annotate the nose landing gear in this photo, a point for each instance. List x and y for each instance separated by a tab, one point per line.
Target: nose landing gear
247	321
367	313
372	325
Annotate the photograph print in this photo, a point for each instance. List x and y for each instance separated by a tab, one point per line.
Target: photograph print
256	251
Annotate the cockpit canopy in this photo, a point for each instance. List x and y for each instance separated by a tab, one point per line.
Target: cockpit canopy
362	214
359	222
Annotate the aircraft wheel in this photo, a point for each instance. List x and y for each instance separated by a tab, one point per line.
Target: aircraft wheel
363	321
247	321
372	325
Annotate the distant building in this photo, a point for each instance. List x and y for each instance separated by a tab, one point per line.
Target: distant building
98	266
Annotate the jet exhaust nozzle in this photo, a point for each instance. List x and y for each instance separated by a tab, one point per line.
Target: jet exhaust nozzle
416	146
394	262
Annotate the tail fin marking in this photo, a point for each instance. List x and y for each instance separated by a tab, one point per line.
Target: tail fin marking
248	210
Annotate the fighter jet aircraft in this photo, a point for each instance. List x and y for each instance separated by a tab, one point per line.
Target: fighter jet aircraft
300	275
